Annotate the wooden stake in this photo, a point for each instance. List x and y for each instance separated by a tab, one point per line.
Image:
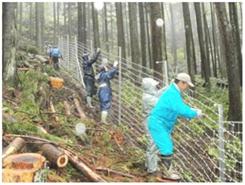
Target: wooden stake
79	109
67	108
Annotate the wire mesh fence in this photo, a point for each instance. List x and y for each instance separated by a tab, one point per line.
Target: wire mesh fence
207	149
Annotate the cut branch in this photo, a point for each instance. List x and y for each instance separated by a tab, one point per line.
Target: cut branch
13	147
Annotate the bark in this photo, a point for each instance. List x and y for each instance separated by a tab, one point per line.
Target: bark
9	43
16	145
142	35
156	37
235	108
189	44
120	28
95	27
54	155
236	36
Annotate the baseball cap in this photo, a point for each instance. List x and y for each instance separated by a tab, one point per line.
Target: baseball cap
185	78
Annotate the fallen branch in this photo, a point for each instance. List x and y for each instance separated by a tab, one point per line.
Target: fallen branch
13	147
41	58
115	172
83	168
79	109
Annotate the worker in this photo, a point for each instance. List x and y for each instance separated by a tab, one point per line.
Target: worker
105	91
88	75
163	117
151	94
55	55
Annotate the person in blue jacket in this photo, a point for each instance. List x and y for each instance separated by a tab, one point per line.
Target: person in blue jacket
55	54
105	91
88	75
163	117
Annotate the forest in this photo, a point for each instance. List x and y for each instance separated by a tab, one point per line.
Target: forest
154	40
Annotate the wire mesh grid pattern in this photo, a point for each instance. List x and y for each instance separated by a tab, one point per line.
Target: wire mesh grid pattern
207	149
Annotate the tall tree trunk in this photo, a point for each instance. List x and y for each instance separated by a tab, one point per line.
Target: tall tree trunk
206	42
106	29
9	43
189	44
58	20
42	24
31	23
69	21
201	44
120	28
80	27
38	25
95	27
142	34
173	36
134	40
214	35
21	17
148	26
235	108
156	38
55	22
164	34
236	36
65	18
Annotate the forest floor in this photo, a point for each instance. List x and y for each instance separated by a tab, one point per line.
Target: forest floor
25	112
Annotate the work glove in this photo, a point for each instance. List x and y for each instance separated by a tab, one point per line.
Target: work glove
115	64
98	50
199	113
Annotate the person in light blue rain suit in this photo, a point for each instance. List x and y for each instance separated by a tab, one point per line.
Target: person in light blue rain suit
151	94
55	54
105	91
163	117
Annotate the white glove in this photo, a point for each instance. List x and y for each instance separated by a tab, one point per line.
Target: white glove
115	64
199	113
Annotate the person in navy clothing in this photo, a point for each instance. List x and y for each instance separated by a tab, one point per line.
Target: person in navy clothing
105	91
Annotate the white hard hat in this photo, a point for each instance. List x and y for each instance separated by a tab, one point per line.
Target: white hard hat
185	78
149	81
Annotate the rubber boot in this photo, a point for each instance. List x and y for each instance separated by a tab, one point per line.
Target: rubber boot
89	102
169	171
104	116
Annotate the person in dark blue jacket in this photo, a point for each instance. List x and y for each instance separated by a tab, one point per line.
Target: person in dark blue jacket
88	75
55	54
105	92
163	117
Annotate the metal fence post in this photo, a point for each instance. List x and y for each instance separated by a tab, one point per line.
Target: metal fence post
166	71
221	143
78	65
120	84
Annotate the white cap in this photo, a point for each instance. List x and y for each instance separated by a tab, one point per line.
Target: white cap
185	78
149	81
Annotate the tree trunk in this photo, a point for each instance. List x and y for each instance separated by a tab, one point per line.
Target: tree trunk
134	39
165	56
31	23
21	17
189	44
13	147
106	29
58	20
142	34
156	40
9	43
148	28
201	44
95	27
38	25
54	155
120	28
173	36
235	108
55	22
236	36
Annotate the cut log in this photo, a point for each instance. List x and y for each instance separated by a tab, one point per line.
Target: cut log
108	171
53	111
79	109
13	147
89	173
22	167
54	155
67	108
